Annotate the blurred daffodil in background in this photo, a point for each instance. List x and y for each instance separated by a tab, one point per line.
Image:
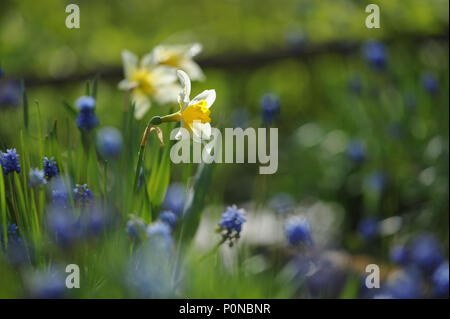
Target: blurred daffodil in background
154	76
145	80
180	57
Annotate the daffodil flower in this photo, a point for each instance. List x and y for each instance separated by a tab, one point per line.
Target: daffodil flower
193	114
145	80
180	57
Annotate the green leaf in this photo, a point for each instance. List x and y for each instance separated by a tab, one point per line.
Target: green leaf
193	209
71	110
25	105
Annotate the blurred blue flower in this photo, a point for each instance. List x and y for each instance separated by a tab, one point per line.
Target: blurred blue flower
240	117
63	226
86	120
49	284
50	168
376	181
136	228
270	106
298	231
322	274
94	221
399	255
175	198
356	151
440	281
59	197
12	232
109	142
425	252
375	54
36	178
148	274
430	84
15	251
82	195
168	218
282	203
85	103
406	284
9	94
368	228
9	161
59	192
160	234
1	73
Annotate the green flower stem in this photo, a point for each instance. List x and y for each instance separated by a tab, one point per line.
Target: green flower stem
156	120
213	250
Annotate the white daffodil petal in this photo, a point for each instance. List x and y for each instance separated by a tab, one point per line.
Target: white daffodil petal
130	61
126	85
167	93
141	105
201	131
206	131
208	147
185	82
164	75
208	95
194	49
193	69
149	60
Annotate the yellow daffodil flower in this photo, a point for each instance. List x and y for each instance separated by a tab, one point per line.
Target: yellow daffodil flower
180	57
147	80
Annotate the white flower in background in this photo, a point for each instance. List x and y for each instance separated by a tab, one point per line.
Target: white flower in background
145	80
180	57
193	114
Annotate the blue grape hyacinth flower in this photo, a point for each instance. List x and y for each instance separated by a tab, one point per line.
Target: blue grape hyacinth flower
430	83
50	168
86	120
369	228
82	195
63	226
12	232
36	177
175	198
49	284
298	231
230	225
109	142
440	281
425	252
356	151
9	94
168	218
10	161
135	228
405	284
399	255
270	107
375	54
160	235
